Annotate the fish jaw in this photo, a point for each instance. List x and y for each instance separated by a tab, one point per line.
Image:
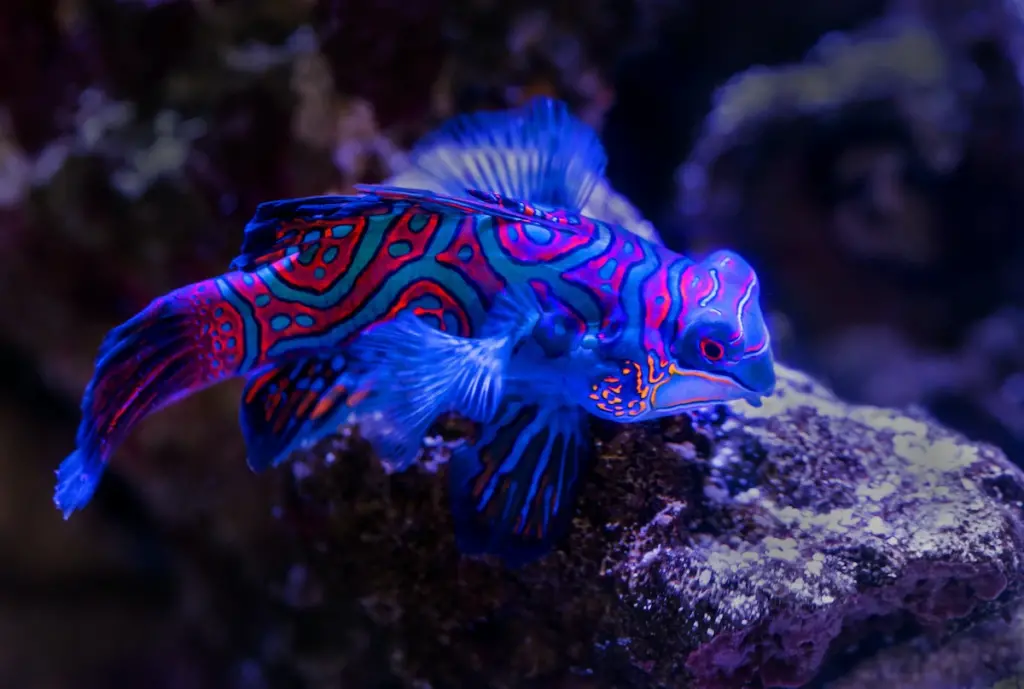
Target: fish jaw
688	388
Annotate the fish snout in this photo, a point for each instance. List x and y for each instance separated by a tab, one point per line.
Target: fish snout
758	378
751	380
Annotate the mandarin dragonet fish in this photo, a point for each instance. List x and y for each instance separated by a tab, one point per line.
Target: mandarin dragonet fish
495	299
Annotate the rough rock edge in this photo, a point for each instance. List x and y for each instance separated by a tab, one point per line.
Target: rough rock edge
714	552
989	655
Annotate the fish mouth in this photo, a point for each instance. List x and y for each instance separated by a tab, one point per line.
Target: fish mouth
753	394
693	388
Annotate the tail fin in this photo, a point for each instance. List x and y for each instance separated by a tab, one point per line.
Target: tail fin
179	344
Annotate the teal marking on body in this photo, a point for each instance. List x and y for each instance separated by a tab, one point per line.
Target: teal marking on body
251	349
428	302
305	320
538	234
633	281
262	299
607	271
336	291
675	282
418	222
330	254
320	273
465	253
342	231
308	254
385	296
580	296
280	322
399	249
381	301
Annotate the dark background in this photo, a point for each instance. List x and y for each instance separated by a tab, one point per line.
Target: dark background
876	189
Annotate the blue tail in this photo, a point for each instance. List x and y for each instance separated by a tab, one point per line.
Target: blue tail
174	347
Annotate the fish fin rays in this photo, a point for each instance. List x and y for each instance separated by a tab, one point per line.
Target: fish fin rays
471	201
291	404
280	228
513	491
539	153
416	373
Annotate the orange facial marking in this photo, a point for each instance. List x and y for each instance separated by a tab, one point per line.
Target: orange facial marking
674	372
655	371
608	393
642	389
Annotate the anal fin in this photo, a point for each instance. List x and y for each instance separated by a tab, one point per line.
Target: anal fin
288	404
513	491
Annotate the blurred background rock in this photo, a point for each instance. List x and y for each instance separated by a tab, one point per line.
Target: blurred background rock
866	155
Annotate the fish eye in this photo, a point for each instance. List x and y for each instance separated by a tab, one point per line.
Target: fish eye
711	350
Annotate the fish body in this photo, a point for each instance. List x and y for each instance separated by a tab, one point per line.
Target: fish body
503	303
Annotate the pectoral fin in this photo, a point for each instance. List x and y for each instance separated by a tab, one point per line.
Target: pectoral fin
289	404
513	491
417	372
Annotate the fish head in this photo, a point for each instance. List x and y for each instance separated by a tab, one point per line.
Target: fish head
719	348
712	346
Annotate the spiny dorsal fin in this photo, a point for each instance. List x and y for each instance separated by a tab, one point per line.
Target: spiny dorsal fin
278	228
539	153
473	201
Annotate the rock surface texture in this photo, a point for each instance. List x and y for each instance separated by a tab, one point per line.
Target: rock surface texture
745	548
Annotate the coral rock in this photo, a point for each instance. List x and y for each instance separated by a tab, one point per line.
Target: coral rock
735	548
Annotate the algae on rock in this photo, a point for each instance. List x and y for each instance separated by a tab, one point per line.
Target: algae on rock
739	547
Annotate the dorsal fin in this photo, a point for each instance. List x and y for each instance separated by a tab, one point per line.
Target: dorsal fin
475	201
538	153
278	228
